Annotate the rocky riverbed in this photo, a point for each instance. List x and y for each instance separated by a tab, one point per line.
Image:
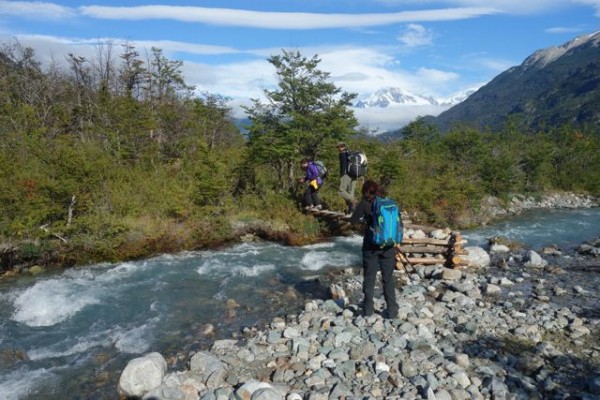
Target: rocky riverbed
521	325
492	208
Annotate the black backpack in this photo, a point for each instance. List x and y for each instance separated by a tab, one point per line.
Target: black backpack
357	164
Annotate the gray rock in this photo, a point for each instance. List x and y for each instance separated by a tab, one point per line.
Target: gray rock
209	367
165	393
534	260
492	290
331	306
142	374
529	363
291	333
223	346
246	391
451	274
442	395
266	394
462	379
499	248
342	338
340	390
477	257
408	369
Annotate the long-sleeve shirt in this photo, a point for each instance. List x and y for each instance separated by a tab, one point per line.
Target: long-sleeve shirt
343	163
312	173
363	214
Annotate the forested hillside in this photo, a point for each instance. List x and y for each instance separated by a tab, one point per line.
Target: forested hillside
552	87
115	158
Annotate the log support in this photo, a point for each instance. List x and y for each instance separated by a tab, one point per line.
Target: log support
415	251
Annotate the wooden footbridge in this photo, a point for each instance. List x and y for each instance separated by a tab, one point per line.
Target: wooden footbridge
444	247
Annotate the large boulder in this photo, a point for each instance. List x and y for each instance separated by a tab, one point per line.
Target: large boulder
477	257
142	374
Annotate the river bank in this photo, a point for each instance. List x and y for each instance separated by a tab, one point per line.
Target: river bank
69	334
522	326
492	208
34	257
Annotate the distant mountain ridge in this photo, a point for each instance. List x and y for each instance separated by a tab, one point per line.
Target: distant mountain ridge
552	87
395	97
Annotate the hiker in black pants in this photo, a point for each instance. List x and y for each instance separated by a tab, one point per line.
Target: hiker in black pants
375	258
313	184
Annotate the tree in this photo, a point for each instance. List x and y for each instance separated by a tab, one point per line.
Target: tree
214	120
303	114
131	72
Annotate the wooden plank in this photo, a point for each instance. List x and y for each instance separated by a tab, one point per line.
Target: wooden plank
423	249
425	261
460	252
435	242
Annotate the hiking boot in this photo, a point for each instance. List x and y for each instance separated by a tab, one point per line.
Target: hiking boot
318	207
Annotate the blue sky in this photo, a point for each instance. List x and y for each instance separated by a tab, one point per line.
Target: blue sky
435	48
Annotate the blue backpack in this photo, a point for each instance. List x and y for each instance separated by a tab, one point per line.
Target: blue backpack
386	228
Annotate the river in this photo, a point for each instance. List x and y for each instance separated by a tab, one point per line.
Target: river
69	334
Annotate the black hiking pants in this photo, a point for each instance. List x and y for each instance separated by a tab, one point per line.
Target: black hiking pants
383	260
311	196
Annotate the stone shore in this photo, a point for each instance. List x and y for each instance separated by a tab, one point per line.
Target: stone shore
492	208
500	331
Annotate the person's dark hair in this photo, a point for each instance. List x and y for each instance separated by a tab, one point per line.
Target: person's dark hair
305	160
371	189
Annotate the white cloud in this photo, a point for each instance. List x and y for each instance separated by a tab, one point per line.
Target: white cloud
35	10
416	35
515	7
391	118
350	76
435	76
279	20
171	46
564	29
370	63
595	4
48	47
242	80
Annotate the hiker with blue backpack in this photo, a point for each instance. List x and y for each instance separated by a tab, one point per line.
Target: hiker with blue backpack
314	181
383	232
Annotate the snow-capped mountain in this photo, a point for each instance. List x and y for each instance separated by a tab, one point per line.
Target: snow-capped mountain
397	97
388	97
458	97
